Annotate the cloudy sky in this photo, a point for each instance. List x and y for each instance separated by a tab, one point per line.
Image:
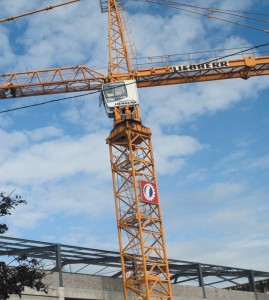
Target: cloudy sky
210	139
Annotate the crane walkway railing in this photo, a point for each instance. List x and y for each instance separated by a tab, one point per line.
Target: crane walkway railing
196	57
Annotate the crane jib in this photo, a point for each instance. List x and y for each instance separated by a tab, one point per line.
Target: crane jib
202	66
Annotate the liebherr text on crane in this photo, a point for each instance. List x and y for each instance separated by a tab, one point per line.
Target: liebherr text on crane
201	66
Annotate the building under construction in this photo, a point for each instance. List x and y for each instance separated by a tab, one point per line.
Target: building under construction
85	273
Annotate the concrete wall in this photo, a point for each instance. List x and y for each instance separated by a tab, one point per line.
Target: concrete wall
87	287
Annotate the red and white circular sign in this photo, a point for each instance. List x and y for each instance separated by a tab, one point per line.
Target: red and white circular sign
149	192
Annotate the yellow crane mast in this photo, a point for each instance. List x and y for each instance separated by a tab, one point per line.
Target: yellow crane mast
139	221
145	271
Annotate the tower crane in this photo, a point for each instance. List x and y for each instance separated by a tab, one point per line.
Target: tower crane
145	271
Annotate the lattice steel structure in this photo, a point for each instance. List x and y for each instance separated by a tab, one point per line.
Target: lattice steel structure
119	58
141	235
145	271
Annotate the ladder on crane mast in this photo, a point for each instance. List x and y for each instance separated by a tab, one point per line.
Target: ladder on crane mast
145	271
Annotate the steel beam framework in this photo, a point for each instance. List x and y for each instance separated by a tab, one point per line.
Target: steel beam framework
66	258
119	59
83	79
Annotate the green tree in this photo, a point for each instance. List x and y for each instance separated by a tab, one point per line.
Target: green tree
28	271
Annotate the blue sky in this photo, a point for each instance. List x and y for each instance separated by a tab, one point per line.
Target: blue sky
210	139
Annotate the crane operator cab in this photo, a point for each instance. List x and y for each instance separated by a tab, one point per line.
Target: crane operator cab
119	94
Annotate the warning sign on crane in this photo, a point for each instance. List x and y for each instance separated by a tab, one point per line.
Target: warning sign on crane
149	192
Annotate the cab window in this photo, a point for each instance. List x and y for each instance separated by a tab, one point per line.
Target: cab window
115	91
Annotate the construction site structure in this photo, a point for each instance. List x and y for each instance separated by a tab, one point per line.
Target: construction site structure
139	219
81	78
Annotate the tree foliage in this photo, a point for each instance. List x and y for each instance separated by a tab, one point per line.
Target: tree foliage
26	272
6	204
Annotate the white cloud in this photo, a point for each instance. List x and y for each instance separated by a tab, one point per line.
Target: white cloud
259	162
59	37
171	151
11	8
223	252
150	42
25	218
8	55
5	121
54	159
44	133
229	231
172	105
88	115
242	161
221	191
11	143
63	169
